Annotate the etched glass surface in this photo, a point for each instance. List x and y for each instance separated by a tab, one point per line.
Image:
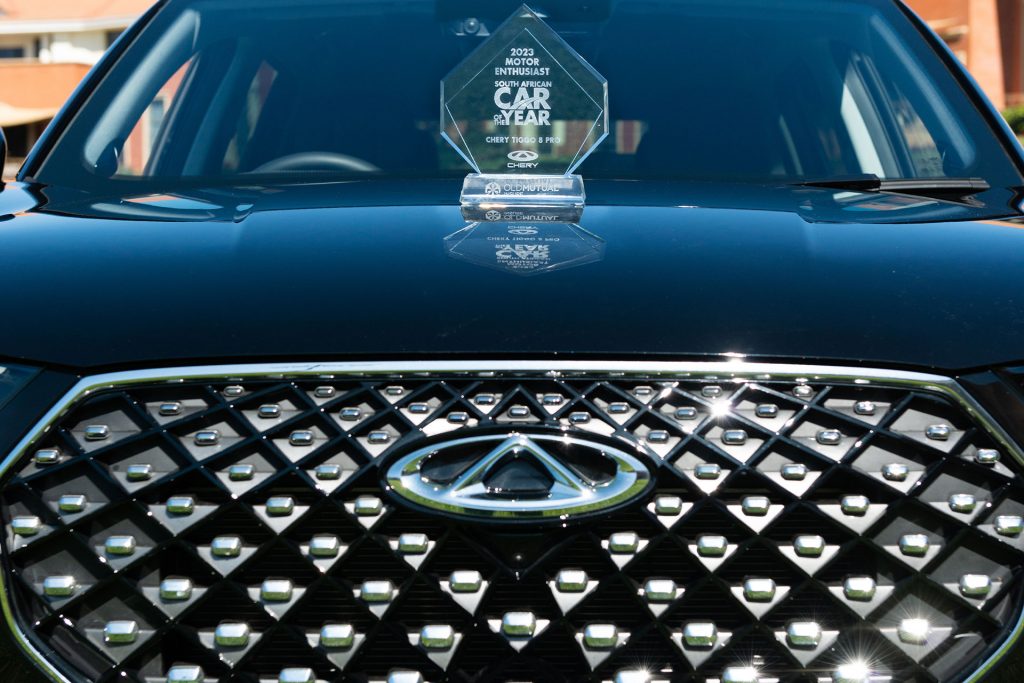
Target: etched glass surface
524	102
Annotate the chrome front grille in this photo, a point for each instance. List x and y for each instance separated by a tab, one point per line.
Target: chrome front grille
804	525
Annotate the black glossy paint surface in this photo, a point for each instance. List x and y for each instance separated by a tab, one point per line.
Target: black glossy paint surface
308	272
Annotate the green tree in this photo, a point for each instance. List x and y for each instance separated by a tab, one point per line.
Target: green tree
1015	117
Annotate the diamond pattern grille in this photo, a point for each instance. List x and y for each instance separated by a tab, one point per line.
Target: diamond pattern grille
264	498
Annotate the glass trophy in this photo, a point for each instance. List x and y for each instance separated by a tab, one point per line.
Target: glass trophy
524	110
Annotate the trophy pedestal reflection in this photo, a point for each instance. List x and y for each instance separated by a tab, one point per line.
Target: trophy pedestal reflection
525	248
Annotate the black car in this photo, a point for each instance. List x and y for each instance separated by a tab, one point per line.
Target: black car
279	407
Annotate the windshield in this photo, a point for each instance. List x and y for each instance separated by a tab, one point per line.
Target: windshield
781	91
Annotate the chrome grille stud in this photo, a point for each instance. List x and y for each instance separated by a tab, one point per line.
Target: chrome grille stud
466	581
437	637
340	636
914	631
866	408
270	411
368	506
232	634
709	545
852	673
859	588
328	472
226	546
181	505
855	505
185	674
120	545
350	414
895	472
97	433
59	586
297	675
734	437
759	590
709	471
975	585
1009	525
72	502
47	456
377	591
519	624
601	636
324	545
242	472
803	391
660	590
803	634
668	505
28	525
405	677
987	456
794	471
301	437
740	674
170	408
207	437
700	634
176	588
139	472
276	590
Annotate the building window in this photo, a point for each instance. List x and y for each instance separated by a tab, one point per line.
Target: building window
12	53
112	36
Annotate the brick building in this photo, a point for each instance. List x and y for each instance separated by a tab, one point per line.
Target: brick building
46	47
988	36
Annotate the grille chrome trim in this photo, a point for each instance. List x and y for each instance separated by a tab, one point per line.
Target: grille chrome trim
735	370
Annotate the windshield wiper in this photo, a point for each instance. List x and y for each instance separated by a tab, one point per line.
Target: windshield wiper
927	187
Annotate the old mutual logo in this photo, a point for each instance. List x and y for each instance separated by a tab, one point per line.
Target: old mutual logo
517	476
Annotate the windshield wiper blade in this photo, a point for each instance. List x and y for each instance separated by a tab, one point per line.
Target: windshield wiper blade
954	187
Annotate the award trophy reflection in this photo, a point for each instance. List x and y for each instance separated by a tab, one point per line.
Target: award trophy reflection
525	248
524	110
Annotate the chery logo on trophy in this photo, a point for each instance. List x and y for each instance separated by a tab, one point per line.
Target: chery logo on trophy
522	158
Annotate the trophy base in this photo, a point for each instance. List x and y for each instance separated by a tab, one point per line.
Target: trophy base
523	198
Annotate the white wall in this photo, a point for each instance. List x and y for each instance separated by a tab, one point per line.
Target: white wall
82	48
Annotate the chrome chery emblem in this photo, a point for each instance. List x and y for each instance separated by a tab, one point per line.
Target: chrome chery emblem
518	476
